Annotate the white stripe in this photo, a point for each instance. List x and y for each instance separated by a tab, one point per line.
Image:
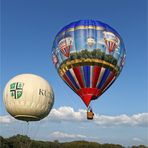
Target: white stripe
91	75
75	78
108	44
101	75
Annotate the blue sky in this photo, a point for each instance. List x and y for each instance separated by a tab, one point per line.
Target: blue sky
28	28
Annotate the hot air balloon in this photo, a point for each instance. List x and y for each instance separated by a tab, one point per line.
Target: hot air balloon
89	72
65	45
111	41
28	97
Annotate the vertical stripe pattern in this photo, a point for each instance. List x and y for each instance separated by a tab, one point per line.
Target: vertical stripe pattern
86	70
89	77
104	77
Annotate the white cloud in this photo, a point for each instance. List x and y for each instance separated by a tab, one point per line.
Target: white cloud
140	119
6	119
66	113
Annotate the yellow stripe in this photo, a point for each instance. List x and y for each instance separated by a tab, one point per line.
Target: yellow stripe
80	62
85	27
81	28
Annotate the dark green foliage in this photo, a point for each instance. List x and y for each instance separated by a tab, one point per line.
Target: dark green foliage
95	54
112	146
81	144
3	143
140	146
20	141
16	141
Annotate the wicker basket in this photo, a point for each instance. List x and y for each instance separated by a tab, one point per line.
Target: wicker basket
90	115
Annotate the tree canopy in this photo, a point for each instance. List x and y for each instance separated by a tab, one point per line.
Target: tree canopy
20	141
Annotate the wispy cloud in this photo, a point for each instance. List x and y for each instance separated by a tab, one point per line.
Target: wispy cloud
62	136
6	119
137	139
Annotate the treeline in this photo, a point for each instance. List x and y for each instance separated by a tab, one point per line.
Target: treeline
95	54
20	141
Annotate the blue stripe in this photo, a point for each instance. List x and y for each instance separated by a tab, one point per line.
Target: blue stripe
82	23
105	75
86	70
88	23
69	75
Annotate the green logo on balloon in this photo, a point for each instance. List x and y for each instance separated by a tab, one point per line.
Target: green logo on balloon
16	90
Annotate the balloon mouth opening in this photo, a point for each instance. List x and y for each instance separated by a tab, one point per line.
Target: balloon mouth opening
27	118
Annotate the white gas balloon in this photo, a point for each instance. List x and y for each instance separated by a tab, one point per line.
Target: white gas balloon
28	97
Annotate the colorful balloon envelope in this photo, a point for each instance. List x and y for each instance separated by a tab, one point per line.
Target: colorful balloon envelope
88	55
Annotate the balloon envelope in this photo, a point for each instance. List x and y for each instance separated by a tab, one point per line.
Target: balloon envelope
28	97
90	56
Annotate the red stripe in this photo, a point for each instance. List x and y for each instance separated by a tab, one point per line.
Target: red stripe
111	82
114	46
65	78
65	51
95	76
110	46
111	76
78	75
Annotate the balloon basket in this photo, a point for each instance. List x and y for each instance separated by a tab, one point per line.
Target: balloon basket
90	115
